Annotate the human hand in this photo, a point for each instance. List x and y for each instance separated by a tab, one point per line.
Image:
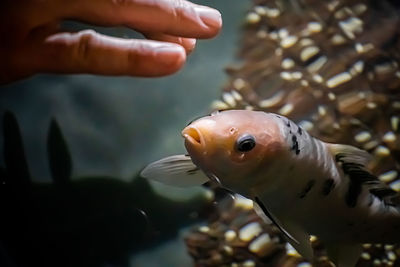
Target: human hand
33	42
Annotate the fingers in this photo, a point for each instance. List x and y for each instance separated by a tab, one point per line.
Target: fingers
173	24
90	52
172	17
187	43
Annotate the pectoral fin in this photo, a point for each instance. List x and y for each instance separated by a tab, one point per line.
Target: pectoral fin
295	235
344	255
263	213
303	246
177	170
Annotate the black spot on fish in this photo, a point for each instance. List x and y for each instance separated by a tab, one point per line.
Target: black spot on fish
328	186
350	224
295	145
307	189
387	195
352	194
299	130
358	176
382	192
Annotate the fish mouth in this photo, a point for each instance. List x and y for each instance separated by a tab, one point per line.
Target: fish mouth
193	136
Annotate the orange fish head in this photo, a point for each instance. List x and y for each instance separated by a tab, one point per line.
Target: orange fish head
234	144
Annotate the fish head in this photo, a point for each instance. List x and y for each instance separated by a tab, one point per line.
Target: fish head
234	145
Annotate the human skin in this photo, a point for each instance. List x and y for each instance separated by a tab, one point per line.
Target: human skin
32	40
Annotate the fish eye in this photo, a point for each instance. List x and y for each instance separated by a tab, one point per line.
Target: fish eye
245	143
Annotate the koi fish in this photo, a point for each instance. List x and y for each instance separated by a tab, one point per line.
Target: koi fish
301	184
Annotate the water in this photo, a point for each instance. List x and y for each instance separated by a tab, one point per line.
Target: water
71	195
113	126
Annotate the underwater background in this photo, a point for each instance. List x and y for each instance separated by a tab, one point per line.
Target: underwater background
73	145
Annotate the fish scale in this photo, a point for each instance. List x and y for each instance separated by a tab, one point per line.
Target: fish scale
360	108
315	152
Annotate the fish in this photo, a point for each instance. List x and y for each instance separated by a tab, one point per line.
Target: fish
333	68
299	183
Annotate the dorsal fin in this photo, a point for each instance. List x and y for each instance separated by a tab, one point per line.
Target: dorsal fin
350	154
353	163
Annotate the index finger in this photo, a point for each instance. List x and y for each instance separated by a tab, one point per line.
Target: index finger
173	17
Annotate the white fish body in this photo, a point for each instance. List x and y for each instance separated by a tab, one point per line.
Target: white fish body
305	186
324	189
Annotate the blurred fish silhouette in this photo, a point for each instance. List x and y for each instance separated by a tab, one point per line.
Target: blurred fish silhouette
86	221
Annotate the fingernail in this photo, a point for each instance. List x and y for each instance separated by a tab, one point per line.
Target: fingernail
190	45
170	54
169	49
211	17
191	42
